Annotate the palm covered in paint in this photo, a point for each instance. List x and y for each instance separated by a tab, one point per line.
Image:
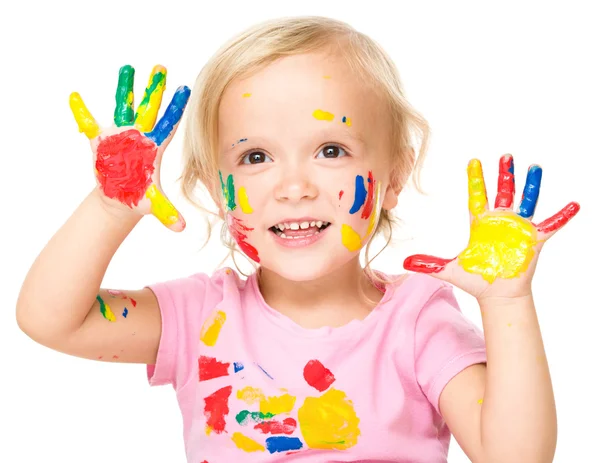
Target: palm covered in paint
500	258
127	155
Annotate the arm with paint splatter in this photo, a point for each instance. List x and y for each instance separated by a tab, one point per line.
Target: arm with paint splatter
505	410
61	304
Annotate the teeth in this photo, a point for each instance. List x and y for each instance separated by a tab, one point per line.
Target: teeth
294	226
312	224
319	223
304	225
300	225
281	226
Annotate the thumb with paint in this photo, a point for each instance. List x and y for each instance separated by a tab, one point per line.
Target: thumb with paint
127	154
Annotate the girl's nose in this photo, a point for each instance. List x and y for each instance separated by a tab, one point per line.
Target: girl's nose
295	187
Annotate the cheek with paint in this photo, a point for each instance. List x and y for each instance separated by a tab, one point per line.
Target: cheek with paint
366	202
239	231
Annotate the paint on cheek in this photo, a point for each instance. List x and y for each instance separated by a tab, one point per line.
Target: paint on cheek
347	121
212	327
240	233
322	115
283	444
501	245
350	237
124	166
210	368
228	191
329	421
105	310
360	194
341	194
216	408
243	200
366	213
245	443
246	95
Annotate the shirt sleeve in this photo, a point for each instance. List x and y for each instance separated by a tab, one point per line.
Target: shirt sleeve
446	342
180	302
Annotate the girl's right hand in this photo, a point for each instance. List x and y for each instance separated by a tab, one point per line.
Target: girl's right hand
127	155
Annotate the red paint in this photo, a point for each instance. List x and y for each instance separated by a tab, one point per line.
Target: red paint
559	219
210	367
124	165
275	427
239	232
317	375
216	407
425	264
366	213
341	193
506	183
133	302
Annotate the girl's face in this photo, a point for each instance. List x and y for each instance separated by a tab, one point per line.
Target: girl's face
304	143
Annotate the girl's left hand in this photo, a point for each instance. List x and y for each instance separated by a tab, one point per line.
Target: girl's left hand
504	246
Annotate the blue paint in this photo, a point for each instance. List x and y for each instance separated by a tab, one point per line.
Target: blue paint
237	366
243	139
360	195
171	117
283	444
530	192
511	168
125	312
263	370
344	119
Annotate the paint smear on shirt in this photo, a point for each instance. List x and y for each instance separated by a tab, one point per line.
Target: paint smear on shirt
323	115
283	444
244	202
288	426
278	404
329	421
237	366
210	367
245	443
216	408
245	416
212	327
105	310
317	375
250	395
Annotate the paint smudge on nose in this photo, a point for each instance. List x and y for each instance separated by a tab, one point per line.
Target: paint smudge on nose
245	443
228	191
322	115
288	426
124	166
240	233
244	202
347	121
341	194
210	368
277	404
105	310
250	395
283	444
216	408
329	421
360	194
246	95
212	327
237	366
317	375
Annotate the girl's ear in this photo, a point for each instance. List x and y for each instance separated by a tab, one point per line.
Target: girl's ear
395	185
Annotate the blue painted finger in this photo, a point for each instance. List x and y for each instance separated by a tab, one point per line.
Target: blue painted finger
171	117
530	192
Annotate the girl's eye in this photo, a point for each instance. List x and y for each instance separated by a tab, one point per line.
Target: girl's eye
255	157
332	151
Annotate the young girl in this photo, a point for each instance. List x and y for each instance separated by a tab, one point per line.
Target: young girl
299	130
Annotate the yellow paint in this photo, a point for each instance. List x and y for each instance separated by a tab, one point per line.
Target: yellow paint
250	395
85	121
348	122
350	237
108	313
243	200
245	443
480	401
477	193
323	115
509	325
212	327
501	245
148	109
208	430
326	77
246	95
277	404
329	421
161	207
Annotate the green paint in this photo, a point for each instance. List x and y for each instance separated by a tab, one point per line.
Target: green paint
158	79
228	191
258	417
124	97
102	307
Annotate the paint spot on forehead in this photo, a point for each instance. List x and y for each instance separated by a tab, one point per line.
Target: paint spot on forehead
326	77
347	121
322	115
246	95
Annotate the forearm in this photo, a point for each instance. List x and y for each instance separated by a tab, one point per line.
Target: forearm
63	282
518	416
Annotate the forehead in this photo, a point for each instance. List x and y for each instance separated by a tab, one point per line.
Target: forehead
280	100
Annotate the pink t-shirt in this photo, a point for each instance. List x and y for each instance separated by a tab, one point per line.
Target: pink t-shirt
254	386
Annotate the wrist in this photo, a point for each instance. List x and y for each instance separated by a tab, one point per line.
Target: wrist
114	209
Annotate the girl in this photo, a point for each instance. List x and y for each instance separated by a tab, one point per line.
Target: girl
300	132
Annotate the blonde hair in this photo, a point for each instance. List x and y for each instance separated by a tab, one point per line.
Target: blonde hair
267	42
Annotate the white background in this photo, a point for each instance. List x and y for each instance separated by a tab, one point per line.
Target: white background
509	78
